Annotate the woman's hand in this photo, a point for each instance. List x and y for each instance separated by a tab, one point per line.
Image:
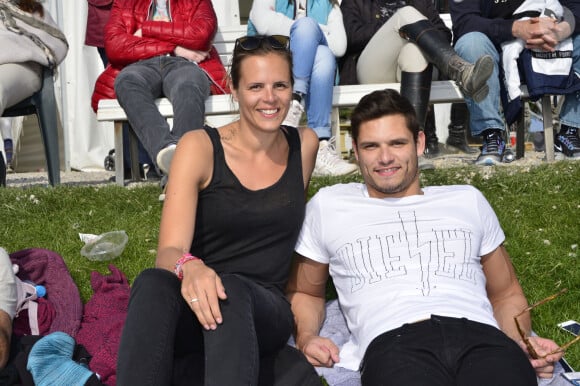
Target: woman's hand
202	289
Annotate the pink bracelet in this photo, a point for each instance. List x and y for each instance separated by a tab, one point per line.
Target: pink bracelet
182	260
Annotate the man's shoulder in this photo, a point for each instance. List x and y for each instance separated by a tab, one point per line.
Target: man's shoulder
452	190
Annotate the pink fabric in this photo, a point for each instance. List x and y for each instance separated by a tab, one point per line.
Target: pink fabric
47	268
45	315
103	322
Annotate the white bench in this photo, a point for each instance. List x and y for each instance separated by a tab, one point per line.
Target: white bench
221	109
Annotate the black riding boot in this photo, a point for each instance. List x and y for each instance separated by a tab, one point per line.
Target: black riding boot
416	87
431	140
456	138
471	78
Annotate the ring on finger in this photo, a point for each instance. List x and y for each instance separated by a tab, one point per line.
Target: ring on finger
193	300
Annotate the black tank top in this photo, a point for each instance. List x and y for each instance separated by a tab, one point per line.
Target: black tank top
250	232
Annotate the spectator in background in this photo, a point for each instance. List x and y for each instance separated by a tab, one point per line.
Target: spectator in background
213	311
417	37
97	17
161	49
317	38
30	39
481	30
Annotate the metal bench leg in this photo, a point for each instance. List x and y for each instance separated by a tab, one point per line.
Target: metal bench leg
520	136
119	166
548	127
134	154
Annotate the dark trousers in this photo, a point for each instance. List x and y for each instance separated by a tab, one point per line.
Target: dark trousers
163	343
184	83
446	351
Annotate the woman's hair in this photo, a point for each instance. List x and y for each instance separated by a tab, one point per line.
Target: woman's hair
381	103
258	45
31	6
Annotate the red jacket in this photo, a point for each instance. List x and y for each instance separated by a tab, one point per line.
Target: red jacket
193	25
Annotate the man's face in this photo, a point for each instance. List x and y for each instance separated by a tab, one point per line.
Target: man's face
388	157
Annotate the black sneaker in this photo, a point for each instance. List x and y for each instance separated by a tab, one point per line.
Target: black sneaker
568	142
493	148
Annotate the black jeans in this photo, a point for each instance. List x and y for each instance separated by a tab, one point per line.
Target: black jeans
446	351
184	83
163	343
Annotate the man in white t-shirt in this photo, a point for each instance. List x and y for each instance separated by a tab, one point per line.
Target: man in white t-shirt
423	279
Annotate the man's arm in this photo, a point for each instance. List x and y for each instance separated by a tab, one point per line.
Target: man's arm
306	292
505	292
508	300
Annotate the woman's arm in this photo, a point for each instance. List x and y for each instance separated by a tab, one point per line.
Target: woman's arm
335	32
191	170
179	208
267	21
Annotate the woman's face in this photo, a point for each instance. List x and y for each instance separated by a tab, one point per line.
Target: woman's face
264	91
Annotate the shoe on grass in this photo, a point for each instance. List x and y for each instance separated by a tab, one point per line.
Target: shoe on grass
567	142
329	162
493	148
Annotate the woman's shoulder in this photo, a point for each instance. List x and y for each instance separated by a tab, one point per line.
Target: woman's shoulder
308	136
197	138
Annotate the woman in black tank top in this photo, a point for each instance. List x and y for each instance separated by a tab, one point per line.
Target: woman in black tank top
213	311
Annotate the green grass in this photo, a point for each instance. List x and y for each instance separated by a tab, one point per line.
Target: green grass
539	209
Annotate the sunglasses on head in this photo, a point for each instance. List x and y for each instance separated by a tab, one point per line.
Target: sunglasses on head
250	43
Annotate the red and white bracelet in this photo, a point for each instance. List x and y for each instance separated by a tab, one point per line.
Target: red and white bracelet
182	260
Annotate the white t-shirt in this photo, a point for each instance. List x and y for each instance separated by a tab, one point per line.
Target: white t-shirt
396	261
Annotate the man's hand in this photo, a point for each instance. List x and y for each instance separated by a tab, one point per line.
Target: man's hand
319	351
544	367
542	33
191	55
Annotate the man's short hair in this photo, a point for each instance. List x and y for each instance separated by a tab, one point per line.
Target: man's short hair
379	103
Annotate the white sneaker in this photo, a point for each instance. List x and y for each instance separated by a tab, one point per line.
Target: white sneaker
294	114
164	158
330	163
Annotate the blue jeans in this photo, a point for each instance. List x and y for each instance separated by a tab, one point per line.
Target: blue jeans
179	80
314	71
163	343
570	113
446	351
485	114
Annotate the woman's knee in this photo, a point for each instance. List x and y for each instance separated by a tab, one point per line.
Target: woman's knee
304	28
409	14
411	59
156	282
